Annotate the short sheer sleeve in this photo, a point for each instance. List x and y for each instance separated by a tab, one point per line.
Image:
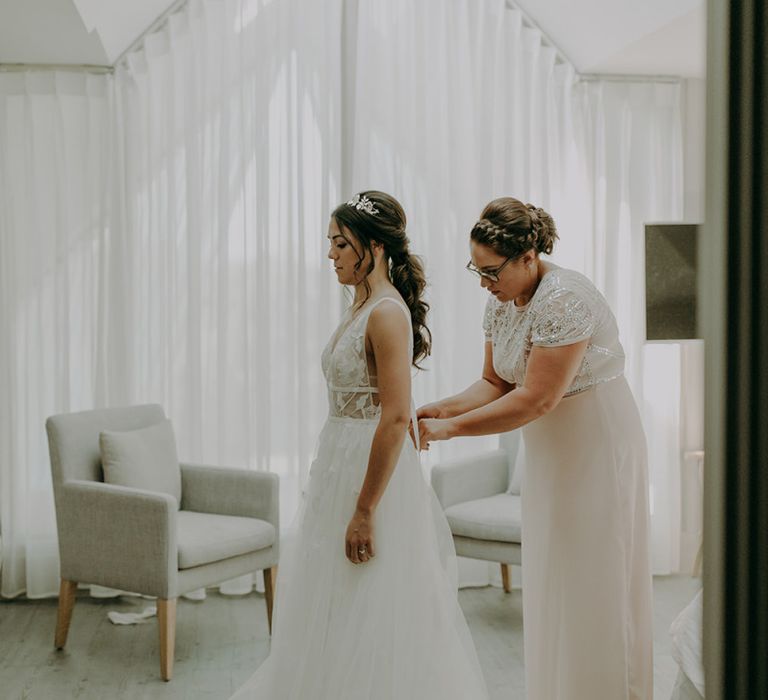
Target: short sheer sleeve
562	317
488	318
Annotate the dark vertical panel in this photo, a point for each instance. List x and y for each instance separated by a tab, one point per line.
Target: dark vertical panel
759	563
713	313
737	515
745	464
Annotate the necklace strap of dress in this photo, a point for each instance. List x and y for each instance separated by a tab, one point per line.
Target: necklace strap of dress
402	306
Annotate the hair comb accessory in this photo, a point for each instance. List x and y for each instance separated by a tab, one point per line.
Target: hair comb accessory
363	204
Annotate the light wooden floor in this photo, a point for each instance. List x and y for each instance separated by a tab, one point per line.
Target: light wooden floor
220	641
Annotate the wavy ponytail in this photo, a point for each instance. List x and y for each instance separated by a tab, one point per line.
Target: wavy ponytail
407	274
377	216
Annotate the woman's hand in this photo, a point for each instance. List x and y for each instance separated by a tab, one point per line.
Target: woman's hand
359	538
433	429
429	410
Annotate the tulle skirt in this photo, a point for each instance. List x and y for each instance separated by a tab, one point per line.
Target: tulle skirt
587	609
389	629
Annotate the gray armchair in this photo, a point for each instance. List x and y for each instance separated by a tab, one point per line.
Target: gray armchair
484	517
140	541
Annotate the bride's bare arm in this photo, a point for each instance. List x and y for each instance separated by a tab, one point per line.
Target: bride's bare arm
487	389
388	333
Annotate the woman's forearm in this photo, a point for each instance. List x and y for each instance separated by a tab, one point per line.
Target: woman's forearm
506	413
385	451
479	394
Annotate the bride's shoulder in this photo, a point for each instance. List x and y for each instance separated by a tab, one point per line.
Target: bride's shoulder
389	306
389	314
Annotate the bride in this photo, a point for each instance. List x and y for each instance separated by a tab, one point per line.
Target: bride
366	604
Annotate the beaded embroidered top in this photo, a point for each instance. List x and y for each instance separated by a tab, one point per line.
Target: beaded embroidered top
566	308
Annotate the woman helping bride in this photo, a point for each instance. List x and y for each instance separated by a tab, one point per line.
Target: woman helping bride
366	593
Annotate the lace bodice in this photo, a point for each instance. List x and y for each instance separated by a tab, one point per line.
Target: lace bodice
566	308
352	390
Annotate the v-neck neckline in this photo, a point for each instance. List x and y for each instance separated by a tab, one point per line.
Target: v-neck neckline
342	330
340	333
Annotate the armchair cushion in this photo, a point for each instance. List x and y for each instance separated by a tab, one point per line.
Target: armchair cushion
204	538
494	518
227	491
471	478
142	459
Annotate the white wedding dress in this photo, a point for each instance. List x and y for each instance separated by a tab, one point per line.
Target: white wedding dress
389	629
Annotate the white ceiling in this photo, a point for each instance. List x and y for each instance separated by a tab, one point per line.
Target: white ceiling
634	37
646	37
93	32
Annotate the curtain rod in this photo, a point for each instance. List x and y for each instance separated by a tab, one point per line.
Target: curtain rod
626	78
151	29
58	67
590	77
531	23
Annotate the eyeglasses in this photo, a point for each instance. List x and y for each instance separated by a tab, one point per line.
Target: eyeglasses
492	275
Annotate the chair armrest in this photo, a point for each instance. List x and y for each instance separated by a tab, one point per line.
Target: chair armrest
471	478
119	537
226	491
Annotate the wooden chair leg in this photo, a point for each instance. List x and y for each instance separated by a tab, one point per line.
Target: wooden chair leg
505	578
67	591
270	576
166	617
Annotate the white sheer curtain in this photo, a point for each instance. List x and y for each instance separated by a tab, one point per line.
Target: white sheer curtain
228	167
162	230
633	147
54	166
454	104
163	239
457	103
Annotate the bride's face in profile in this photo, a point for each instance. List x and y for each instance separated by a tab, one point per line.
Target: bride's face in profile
345	251
505	278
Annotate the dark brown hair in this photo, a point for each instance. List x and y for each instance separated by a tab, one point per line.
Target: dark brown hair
512	228
387	227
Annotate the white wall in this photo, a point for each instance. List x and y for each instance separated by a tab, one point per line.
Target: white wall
692	354
694	147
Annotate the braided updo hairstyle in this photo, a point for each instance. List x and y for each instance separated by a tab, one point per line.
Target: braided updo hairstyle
387	227
512	228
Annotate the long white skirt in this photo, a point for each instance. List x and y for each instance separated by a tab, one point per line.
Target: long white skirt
388	629
587	601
